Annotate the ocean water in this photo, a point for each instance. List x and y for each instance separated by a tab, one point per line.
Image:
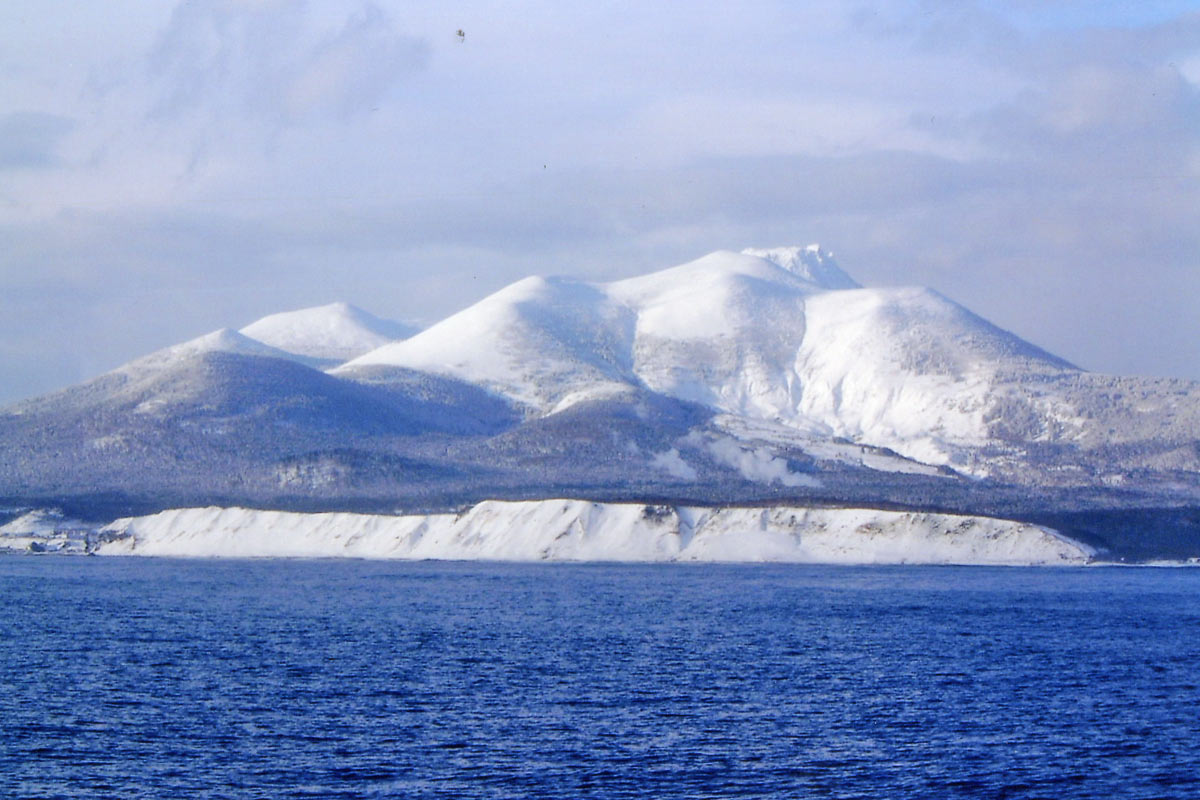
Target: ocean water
132	678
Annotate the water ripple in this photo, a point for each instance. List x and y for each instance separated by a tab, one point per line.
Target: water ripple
307	679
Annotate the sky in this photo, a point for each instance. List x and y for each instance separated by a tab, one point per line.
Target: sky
170	168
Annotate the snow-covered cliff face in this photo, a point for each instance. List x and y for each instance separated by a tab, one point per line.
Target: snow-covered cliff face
576	530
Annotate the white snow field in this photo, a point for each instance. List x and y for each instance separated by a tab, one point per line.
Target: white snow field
579	530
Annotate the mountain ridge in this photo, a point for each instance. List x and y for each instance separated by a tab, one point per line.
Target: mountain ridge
761	376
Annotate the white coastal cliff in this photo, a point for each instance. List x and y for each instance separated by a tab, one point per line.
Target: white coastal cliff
578	530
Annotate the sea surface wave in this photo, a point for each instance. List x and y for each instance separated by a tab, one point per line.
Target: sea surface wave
147	678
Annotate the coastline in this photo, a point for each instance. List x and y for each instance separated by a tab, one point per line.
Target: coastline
579	530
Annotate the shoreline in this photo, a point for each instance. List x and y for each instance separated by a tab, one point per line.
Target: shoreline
573	531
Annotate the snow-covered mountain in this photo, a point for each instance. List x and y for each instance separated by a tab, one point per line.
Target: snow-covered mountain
333	333
765	376
720	331
783	337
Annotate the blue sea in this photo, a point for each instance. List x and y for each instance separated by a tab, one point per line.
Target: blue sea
156	678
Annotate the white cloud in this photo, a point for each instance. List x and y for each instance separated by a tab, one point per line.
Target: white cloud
30	139
757	464
1189	67
673	464
207	107
680	129
277	61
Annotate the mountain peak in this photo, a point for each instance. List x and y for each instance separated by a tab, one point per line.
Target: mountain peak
223	340
334	332
810	262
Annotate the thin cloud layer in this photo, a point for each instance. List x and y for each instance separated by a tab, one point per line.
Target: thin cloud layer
227	159
239	61
29	139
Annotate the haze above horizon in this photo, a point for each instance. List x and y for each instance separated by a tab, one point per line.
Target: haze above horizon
169	170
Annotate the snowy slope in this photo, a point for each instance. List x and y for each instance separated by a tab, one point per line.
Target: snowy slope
151	382
779	335
334	333
150	385
576	530
535	342
184	364
219	341
225	396
908	369
551	342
